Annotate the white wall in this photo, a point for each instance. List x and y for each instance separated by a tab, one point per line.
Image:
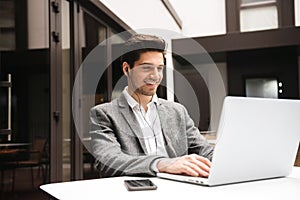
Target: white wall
201	17
143	14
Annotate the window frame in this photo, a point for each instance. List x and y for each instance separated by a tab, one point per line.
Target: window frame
285	9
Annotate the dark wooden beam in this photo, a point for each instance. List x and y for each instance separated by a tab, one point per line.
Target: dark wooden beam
286	13
240	41
232	16
173	12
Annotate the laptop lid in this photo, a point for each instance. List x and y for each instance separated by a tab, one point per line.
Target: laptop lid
257	138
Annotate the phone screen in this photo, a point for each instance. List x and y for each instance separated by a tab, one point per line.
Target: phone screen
142	184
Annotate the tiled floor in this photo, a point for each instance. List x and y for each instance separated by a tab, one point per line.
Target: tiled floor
23	186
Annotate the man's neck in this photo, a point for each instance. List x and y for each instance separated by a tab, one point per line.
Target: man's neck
143	100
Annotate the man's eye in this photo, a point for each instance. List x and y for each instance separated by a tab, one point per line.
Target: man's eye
160	68
147	67
151	67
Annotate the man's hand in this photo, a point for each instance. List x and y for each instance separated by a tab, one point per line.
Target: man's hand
193	165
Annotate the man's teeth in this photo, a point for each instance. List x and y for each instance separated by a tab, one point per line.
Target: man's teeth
152	83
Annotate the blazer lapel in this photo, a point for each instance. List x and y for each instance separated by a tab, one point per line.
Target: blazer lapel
165	130
131	120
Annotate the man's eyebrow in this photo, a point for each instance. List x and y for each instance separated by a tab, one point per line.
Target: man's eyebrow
147	63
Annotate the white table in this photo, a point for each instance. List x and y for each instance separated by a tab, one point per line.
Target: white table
113	188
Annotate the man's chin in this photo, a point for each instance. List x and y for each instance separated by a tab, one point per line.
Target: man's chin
150	94
147	92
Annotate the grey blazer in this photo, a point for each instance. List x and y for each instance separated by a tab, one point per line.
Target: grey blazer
117	142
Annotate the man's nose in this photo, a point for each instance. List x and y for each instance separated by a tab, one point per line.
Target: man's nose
154	73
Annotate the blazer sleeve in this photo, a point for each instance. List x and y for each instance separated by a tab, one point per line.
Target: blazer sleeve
111	159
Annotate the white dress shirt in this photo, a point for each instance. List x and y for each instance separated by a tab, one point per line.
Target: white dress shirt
150	125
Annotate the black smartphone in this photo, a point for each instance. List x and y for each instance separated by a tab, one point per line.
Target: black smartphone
140	184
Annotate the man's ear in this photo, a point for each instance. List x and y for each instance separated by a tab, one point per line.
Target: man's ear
125	68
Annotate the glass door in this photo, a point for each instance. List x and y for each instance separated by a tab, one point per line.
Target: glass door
66	91
92	32
95	80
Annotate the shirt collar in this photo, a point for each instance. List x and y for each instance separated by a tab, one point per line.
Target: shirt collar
132	102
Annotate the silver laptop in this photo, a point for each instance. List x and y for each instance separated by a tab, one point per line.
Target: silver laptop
257	138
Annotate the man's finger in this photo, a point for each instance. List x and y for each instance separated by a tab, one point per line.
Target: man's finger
193	169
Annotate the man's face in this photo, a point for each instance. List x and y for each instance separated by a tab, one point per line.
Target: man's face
146	74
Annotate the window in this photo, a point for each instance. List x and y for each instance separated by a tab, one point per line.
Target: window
255	1
7	25
297	12
258	15
262	87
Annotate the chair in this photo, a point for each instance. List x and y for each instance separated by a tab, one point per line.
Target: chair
7	164
35	158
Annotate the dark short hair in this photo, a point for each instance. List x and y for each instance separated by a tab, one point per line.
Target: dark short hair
141	43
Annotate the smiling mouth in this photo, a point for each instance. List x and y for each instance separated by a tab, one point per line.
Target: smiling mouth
151	82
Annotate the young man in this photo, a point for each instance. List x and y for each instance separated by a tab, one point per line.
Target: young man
141	134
